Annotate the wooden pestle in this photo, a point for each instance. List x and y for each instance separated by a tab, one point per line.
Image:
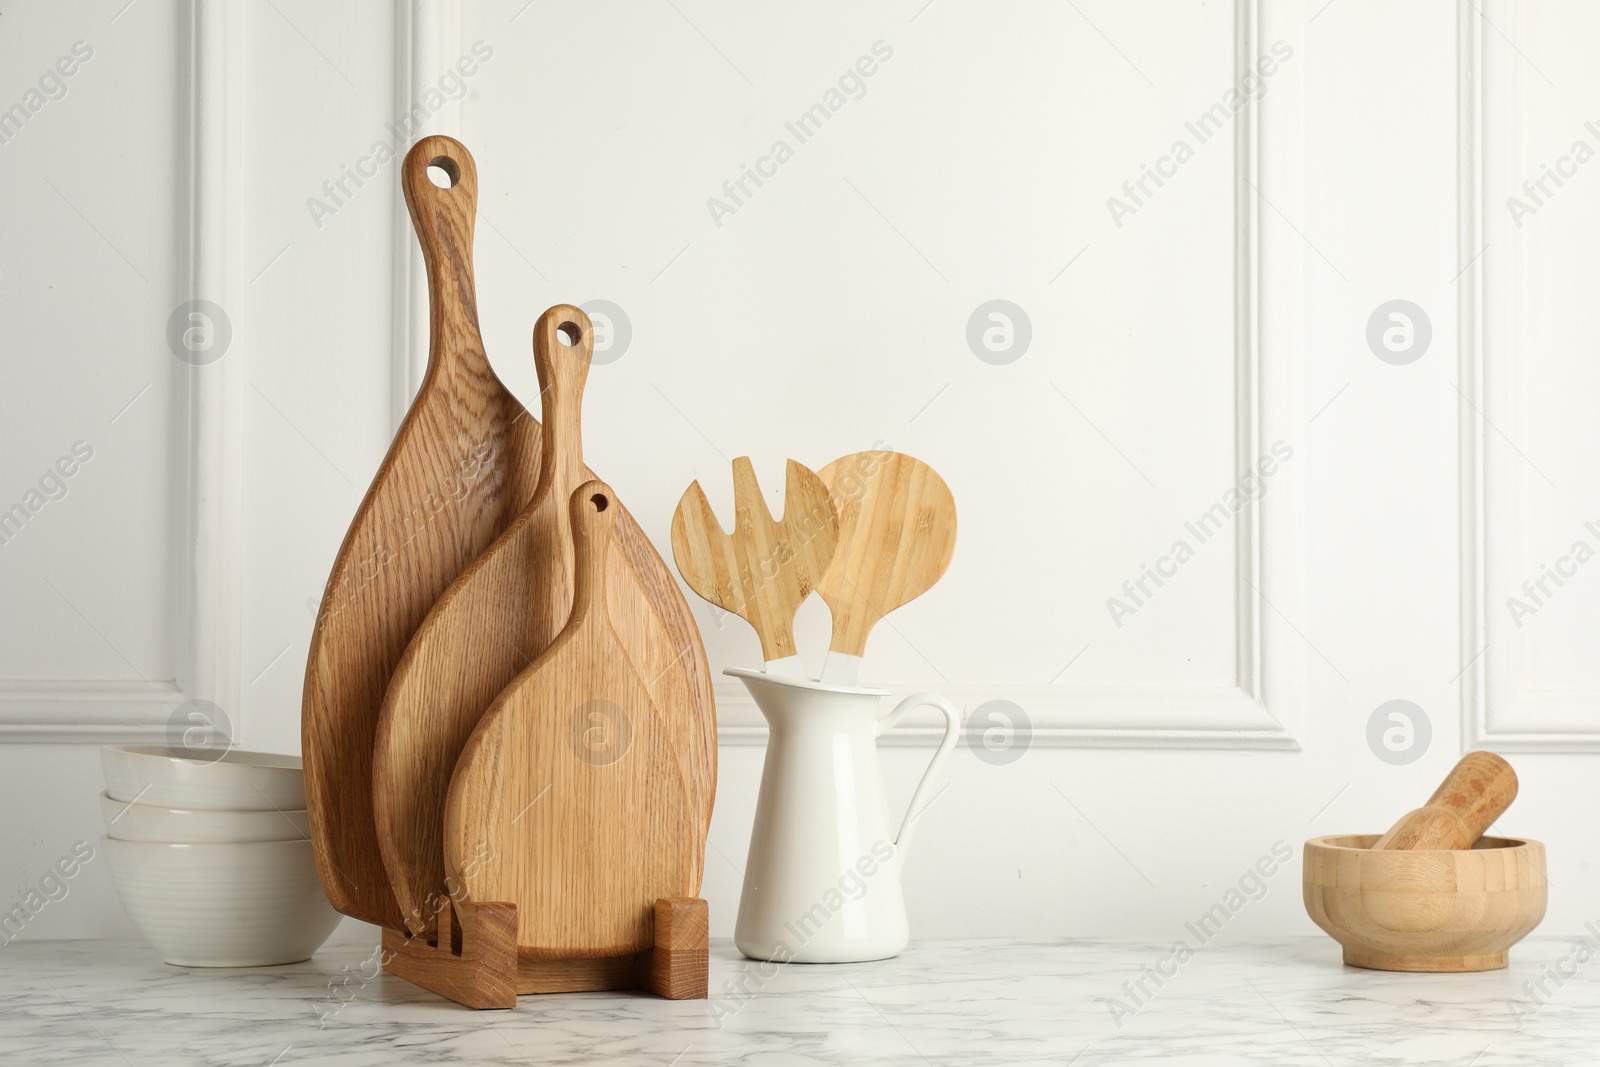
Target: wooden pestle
1472	796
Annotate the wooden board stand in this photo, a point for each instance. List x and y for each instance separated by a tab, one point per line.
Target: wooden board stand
478	966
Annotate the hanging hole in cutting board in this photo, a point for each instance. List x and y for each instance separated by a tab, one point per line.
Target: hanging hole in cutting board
599	501
569	333
443	172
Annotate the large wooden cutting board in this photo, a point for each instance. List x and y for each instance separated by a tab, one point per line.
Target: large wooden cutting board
461	467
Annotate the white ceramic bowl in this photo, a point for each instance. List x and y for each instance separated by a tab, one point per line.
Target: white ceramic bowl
249	904
141	822
162	777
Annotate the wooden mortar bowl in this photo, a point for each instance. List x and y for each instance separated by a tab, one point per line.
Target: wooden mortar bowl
1403	910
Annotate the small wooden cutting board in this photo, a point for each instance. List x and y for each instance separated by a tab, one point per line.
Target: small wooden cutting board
569	800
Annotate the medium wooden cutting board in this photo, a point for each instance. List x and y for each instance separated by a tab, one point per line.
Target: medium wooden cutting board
462	465
505	610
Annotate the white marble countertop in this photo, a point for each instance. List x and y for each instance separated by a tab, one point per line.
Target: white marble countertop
1282	1002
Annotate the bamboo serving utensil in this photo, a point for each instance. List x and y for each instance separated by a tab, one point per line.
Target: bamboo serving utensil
765	569
897	533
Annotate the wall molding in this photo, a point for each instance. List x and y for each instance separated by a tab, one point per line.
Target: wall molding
1066	717
213	265
1265	708
87	712
1469	323
217	262
427	41
1499	709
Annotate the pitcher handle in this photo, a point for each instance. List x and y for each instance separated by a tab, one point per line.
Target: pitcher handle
952	727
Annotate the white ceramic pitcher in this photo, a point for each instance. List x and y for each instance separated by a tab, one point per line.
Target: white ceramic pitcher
822	884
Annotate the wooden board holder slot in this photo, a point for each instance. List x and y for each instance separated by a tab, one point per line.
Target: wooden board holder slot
479	966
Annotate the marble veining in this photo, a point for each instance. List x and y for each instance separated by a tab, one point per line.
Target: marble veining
1284	1002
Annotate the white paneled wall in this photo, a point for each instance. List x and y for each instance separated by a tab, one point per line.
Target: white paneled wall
1205	529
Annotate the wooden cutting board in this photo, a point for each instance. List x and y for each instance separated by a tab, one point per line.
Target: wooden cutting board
462	465
569	799
505	610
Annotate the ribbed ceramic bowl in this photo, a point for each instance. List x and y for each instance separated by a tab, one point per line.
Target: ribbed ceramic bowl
251	904
162	777
1446	910
141	822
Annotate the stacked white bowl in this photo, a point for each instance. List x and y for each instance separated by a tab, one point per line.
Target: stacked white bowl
211	857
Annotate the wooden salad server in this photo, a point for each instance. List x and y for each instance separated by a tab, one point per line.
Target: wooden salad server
460	468
897	533
764	570
571	786
1476	792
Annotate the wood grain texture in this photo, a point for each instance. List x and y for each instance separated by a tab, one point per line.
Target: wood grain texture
1408	910
664	646
504	610
1476	792
475	966
486	629
573	779
461	466
897	533
476	963
678	967
764	569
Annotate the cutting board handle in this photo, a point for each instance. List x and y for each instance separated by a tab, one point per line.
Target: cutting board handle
563	347
443	219
594	512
